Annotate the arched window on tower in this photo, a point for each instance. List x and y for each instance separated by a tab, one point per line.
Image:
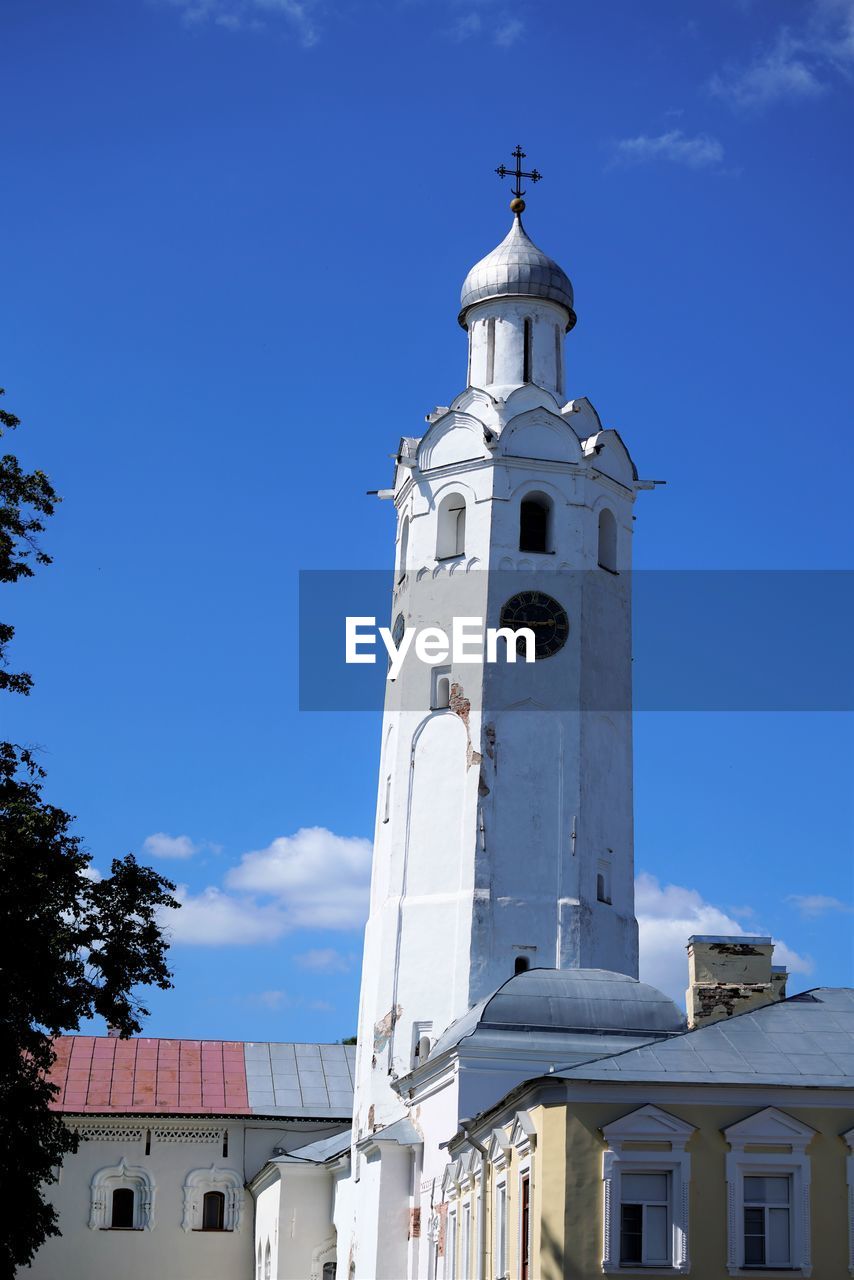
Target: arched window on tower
521	964
535	518
403	550
451	527
527	361
607	540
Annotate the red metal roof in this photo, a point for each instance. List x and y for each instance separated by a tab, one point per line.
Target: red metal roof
102	1074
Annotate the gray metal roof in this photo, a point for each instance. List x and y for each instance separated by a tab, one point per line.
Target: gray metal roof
300	1079
805	1040
318	1152
574	1002
516	267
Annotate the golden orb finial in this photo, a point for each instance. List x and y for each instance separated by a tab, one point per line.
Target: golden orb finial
517	205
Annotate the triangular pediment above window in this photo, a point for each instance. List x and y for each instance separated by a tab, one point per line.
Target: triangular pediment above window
523	1135
498	1148
451	1179
648	1124
768	1127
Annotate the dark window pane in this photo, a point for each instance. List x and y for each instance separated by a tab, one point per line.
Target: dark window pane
533	526
122	1215
213	1211
631	1233
754	1236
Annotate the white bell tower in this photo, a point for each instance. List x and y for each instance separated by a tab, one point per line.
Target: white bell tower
504	818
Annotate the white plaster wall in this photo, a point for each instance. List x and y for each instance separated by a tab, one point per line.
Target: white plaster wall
167	1251
304	1220
548	327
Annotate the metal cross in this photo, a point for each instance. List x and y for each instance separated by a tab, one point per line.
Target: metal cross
518	173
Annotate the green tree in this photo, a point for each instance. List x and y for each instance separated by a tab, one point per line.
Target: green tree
72	944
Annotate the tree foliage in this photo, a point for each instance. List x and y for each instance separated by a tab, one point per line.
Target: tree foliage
25	499
73	944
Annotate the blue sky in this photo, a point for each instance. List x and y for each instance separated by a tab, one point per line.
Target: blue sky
234	233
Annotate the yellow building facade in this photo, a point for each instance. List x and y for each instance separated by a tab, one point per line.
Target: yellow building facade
592	1172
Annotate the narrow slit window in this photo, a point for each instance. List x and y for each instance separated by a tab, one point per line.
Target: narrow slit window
490	349
404	549
387	799
122	1214
607	540
521	964
526	368
558	359
525	1228
535	524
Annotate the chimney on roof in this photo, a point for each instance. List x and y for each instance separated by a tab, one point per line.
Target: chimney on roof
730	975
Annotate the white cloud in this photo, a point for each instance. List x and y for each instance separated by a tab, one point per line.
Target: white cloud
798	63
284	1000
325	960
698	152
508	32
813	905
252	15
502	28
161	845
213	918
668	915
318	879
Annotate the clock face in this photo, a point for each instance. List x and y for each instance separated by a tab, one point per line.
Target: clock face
544	615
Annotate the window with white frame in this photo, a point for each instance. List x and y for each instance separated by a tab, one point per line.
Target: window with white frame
122	1199
768	1194
451	1246
465	1240
646	1173
645	1219
213	1199
768	1220
500	1233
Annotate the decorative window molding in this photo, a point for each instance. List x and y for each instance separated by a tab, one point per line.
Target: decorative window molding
848	1139
131	1177
498	1149
184	1133
451	1181
323	1257
523	1134
769	1128
645	1127
197	1183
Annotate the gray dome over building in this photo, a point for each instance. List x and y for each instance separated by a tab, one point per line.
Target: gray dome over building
576	1003
517	268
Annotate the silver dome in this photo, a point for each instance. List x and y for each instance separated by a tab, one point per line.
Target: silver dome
517	268
542	1004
